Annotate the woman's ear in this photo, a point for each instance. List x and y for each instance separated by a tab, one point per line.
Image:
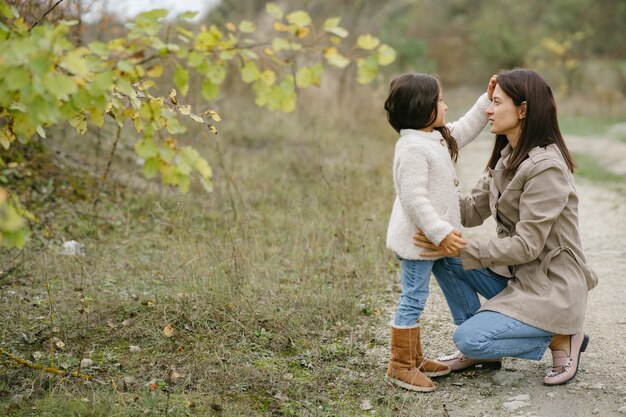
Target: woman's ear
522	110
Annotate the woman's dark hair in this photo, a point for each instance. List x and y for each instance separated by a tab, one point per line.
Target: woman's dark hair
412	103
540	126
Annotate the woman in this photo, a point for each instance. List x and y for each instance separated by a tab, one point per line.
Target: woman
534	274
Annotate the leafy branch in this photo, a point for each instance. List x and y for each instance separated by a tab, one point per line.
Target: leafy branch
48	80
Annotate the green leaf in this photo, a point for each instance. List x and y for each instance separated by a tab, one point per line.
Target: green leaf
274	10
279	44
16	79
299	18
146	148
332	26
335	58
187	15
304	77
99	48
181	80
367	42
75	63
367	69
209	90
246	26
150	167
249	72
386	54
60	86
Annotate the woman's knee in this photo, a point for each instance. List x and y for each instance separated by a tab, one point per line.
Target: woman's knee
469	341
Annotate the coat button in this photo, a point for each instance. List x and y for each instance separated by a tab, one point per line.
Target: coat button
443	142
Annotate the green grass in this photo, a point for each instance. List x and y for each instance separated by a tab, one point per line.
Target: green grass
589	167
587	125
267	281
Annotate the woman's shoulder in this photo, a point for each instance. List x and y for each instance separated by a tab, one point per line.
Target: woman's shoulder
541	159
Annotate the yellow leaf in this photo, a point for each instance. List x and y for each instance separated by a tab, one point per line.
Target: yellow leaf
280	27
335	58
213	129
214	115
302	32
299	18
155	71
268	51
173	96
268	77
274	10
231	27
367	42
185	110
168	330
246	26
196	118
332	22
386	54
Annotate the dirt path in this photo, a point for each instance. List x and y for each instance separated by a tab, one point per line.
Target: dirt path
517	390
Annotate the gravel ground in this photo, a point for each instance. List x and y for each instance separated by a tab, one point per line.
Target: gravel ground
517	390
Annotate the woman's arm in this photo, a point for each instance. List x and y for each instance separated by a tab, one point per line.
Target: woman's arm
545	194
475	206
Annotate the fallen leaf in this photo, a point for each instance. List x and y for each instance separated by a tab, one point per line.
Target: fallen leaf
281	397
168	330
111	323
366	405
134	348
86	363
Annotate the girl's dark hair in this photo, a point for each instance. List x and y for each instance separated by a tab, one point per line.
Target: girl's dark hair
540	126
412	103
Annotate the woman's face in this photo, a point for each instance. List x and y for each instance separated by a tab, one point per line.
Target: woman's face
505	117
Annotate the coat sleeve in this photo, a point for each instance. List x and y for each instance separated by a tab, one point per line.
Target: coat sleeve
475	206
468	127
412	181
544	196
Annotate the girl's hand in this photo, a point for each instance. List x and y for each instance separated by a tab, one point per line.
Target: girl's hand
491	86
452	245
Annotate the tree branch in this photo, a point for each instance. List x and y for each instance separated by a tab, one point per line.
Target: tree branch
45	14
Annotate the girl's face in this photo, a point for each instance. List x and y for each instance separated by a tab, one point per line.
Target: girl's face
505	117
441	113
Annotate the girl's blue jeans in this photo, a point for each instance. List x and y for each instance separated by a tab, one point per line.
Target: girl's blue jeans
487	334
414	276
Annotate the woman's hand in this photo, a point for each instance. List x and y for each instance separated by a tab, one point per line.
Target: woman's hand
491	86
452	245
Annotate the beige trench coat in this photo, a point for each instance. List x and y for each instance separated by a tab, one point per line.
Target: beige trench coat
536	212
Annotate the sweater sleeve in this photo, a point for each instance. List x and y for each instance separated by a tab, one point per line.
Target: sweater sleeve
542	200
468	127
411	181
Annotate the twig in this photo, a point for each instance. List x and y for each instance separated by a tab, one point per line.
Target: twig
48	369
107	169
45	14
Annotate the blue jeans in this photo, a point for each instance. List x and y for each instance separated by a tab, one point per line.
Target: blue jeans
414	276
487	334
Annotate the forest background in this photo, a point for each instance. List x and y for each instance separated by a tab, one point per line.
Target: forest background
267	295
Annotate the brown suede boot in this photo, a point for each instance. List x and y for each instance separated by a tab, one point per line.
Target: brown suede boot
401	370
428	367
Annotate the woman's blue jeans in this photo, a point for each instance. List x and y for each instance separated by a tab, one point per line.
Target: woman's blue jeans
487	334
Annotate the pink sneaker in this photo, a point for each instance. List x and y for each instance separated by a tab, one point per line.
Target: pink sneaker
458	362
564	367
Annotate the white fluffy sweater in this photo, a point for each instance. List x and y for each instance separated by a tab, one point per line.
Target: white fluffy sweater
427	195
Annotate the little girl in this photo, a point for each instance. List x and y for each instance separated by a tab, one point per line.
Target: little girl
427	200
